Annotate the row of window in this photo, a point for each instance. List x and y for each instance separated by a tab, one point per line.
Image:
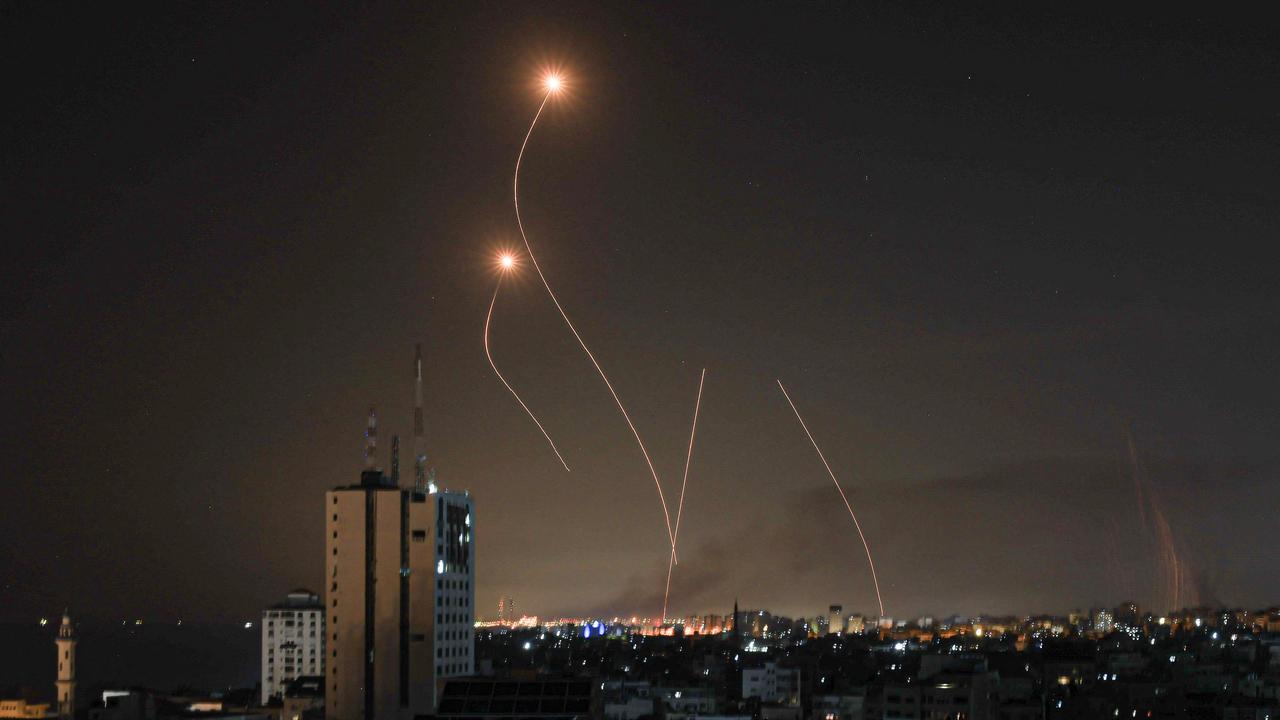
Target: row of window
453	634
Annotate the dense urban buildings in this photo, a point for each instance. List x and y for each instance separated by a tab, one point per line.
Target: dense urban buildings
292	642
1196	663
1219	664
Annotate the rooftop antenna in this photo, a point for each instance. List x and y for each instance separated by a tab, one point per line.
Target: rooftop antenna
419	433
395	460
371	441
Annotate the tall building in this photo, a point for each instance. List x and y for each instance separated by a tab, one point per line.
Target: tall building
855	624
1103	621
66	683
835	620
1128	613
292	641
400	590
400	597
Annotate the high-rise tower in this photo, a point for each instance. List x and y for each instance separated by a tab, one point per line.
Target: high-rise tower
835	620
400	589
400	598
66	683
292	642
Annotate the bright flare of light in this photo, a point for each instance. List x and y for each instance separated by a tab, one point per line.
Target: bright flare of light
697	405
508	261
552	83
875	581
515	200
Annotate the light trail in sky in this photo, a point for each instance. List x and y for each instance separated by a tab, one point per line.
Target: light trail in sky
688	458
554	84
843	497
1173	585
507	263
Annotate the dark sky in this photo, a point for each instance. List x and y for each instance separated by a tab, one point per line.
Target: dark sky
976	245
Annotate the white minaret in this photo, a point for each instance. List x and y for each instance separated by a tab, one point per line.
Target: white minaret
66	643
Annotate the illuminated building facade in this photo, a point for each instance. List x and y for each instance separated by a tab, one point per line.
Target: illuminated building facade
835	620
292	641
772	683
20	709
399	596
1103	621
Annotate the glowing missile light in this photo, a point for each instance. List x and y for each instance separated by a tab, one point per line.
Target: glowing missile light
553	83
507	263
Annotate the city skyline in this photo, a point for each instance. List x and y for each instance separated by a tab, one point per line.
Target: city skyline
1019	300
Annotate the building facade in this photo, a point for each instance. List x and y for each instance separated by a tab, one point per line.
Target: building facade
292	642
20	709
835	620
399	597
772	683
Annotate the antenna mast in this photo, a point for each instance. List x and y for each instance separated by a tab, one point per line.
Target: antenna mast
371	441
419	432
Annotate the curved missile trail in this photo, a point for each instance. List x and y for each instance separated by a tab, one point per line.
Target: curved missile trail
1171	575
487	319
849	507
697	406
553	84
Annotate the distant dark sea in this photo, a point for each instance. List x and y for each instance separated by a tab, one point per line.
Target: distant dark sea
162	657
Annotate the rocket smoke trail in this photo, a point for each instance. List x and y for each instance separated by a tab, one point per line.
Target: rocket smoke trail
516	395
697	406
849	507
515	196
1172	574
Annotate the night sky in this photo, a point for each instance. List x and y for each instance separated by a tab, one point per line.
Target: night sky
977	246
